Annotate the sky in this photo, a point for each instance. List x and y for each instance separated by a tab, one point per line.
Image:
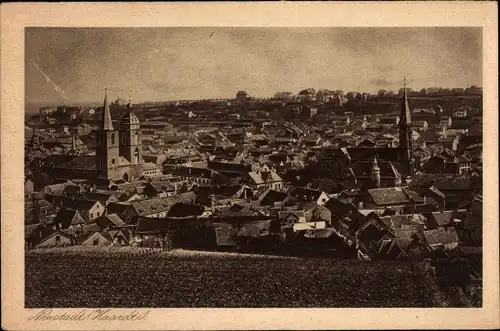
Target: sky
74	65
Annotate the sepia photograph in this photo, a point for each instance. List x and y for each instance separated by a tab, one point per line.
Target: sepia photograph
253	167
249	166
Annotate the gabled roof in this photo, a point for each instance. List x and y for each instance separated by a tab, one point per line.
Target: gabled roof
255	178
441	236
439	218
155	206
388	196
68	217
270	196
117	208
80	204
97	196
114	219
61	233
398	221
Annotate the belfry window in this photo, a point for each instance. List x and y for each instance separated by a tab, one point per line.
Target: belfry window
136	138
112	139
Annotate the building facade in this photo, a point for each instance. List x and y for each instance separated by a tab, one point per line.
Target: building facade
119	151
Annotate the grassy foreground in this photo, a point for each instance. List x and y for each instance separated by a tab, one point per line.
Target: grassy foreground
182	279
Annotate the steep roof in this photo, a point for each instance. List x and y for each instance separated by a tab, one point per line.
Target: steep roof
68	217
106	121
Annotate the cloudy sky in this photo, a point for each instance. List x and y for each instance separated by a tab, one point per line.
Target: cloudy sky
75	64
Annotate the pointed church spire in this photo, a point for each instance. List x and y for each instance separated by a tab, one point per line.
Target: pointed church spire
106	123
405	133
405	117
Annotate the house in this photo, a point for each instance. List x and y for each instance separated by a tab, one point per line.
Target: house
436	195
255	181
72	191
157	207
98	239
81	232
194	174
105	198
442	238
151	170
446	164
56	239
67	218
109	221
471	229
88	209
159	189
308	195
458	165
390	197
271	180
272	197
318	213
122	210
291	217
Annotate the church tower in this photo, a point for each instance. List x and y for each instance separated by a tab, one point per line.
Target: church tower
107	144
130	137
375	173
405	134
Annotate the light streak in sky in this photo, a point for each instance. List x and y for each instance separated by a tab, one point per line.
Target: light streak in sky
50	81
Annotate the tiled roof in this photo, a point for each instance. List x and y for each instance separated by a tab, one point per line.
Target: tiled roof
388	196
441	236
113	218
154	206
255	178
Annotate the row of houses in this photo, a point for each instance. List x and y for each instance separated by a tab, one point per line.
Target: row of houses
391	223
